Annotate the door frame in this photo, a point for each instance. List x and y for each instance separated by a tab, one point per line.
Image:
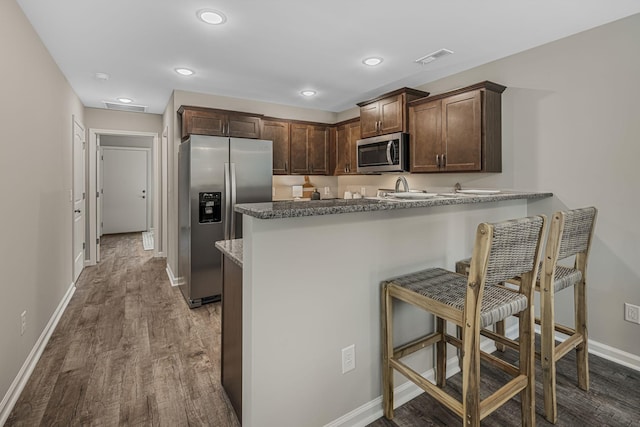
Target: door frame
159	191
74	122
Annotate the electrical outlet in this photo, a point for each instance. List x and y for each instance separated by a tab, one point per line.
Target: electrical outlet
631	313
348	358
23	319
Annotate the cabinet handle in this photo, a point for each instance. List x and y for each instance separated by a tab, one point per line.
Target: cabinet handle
285	167
444	160
438	160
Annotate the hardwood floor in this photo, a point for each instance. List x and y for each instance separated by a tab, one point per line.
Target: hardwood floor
613	398
128	351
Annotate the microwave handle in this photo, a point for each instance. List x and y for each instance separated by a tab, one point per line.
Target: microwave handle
389	157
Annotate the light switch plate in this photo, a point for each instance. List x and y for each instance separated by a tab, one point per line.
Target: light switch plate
296	191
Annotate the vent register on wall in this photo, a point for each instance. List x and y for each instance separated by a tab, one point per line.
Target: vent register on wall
215	173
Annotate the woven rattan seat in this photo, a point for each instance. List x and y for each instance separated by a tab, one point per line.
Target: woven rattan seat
449	288
502	251
564	277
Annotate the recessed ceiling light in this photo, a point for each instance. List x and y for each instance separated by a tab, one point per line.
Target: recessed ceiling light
102	76
373	61
308	92
212	17
184	71
125	100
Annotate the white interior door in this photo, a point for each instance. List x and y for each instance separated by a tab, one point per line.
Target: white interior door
125	189
78	193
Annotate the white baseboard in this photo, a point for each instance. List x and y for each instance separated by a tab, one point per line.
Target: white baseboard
12	395
599	349
371	411
172	278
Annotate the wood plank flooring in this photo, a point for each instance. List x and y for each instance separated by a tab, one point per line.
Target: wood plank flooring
613	398
128	351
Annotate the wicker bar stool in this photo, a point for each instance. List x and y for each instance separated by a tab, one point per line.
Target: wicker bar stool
570	234
502	250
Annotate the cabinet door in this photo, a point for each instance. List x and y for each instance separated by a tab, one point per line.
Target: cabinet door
369	120
391	112
278	132
353	136
203	123
342	150
299	149
242	126
462	132
346	148
318	149
426	136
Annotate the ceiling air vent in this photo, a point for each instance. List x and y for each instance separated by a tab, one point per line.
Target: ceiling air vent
125	107
433	56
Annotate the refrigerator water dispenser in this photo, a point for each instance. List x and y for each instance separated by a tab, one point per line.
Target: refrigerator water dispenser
210	207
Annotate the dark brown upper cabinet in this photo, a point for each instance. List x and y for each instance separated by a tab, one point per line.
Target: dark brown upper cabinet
458	131
309	145
209	121
347	134
278	131
387	113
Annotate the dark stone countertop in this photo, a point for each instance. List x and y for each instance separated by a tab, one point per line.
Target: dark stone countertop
231	249
294	209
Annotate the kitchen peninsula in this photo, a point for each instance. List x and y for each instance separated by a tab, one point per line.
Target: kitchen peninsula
311	275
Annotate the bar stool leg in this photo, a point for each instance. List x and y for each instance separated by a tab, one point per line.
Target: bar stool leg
548	350
387	353
499	329
471	375
582	350
527	365
441	353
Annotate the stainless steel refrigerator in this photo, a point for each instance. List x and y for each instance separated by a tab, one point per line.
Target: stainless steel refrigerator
215	173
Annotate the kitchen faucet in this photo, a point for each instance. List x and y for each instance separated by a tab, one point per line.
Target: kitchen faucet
403	180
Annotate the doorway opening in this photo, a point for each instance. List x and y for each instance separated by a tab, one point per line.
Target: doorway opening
127	165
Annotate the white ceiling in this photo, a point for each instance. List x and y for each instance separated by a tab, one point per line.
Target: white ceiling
270	50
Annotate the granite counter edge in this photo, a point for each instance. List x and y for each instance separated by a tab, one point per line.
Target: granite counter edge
279	210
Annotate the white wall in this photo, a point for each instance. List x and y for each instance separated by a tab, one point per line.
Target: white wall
35	183
99	118
126	141
570	125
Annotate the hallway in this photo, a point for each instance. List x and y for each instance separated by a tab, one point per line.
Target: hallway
128	351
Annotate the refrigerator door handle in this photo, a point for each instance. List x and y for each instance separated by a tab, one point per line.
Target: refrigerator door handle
233	201
227	201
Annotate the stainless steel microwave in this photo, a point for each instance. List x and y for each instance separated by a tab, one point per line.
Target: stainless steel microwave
385	153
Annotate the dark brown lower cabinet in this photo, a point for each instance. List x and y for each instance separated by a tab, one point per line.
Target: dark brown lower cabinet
231	353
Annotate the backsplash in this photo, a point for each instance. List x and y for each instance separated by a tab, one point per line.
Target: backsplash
282	184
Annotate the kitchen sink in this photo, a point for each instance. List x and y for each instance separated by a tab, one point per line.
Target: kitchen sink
411	195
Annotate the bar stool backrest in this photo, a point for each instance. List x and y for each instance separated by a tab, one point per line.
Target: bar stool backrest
514	249
577	231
